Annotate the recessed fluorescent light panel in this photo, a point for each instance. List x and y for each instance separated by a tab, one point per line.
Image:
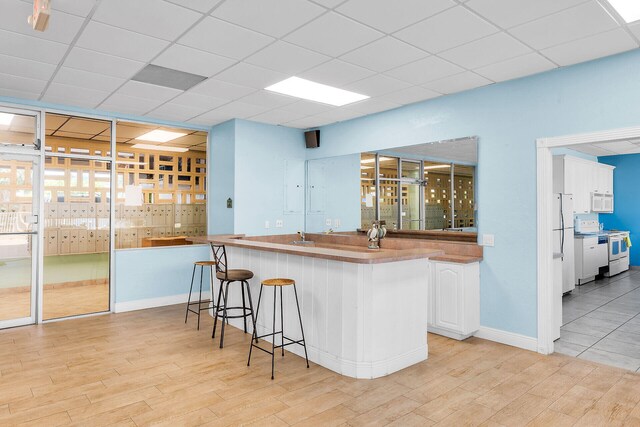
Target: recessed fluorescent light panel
628	9
160	135
306	89
161	148
5	119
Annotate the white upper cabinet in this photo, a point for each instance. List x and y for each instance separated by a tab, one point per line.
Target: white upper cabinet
591	183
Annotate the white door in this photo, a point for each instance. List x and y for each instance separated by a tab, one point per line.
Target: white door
19	210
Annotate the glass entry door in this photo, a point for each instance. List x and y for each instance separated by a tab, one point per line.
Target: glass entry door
19	183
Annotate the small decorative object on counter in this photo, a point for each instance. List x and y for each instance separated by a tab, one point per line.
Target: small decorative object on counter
375	234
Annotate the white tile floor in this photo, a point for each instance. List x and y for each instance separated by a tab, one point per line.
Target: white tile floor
601	321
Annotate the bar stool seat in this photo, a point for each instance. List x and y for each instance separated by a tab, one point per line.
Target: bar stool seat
200	301
275	284
234	275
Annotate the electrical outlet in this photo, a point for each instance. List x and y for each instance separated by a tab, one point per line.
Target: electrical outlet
266	224
327	222
279	223
488	240
337	222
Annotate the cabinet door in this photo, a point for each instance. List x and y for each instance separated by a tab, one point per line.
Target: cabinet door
590	261
607	177
449	298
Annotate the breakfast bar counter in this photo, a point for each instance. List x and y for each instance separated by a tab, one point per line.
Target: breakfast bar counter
364	311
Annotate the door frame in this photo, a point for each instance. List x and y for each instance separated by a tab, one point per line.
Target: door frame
34	154
544	168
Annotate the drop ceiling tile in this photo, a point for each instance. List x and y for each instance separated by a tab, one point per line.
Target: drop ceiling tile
277	117
509	13
195	100
336	73
494	48
88	80
384	54
410	95
450	28
571	24
190	60
593	150
19	94
63	27
220	89
307	108
264	98
377	85
198	5
175	112
74	7
603	44
210	119
425	70
635	29
85	126
336	115
27	47
458	83
223	38
120	103
333	35
249	75
116	41
20	83
26	68
372	105
239	110
330	4
148	91
87	60
619	147
390	16
73	95
514	68
286	58
273	17
154	18
304	123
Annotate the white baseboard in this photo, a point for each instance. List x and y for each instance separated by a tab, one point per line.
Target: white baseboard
141	304
508	338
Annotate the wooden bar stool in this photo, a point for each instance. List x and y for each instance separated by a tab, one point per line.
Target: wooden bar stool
277	283
197	311
226	277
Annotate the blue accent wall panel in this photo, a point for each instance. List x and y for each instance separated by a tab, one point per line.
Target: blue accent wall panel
221	175
158	272
626	193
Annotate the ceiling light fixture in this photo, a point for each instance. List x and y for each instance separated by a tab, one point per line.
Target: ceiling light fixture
160	135
306	89
628	9
6	118
437	167
160	147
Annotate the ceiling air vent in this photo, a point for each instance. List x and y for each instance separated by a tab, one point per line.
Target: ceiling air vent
167	77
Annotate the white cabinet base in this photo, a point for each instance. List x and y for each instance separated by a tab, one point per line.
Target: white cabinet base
454	299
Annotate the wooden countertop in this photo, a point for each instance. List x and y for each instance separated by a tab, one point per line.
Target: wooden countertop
328	250
458	259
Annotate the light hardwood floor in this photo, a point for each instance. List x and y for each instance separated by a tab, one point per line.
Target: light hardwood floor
148	367
59	301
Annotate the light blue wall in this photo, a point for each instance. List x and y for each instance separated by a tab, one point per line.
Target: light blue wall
626	192
341	181
507	118
221	174
263	154
153	273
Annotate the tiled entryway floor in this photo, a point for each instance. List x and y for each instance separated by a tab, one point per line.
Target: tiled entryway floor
601	321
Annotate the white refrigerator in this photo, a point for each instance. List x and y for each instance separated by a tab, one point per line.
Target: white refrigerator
563	238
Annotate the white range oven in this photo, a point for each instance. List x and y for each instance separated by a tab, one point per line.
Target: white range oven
618	252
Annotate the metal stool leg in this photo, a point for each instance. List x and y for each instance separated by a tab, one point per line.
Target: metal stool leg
273	336
200	296
193	275
224	314
215	320
255	330
304	343
281	323
211	273
253	314
244	307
